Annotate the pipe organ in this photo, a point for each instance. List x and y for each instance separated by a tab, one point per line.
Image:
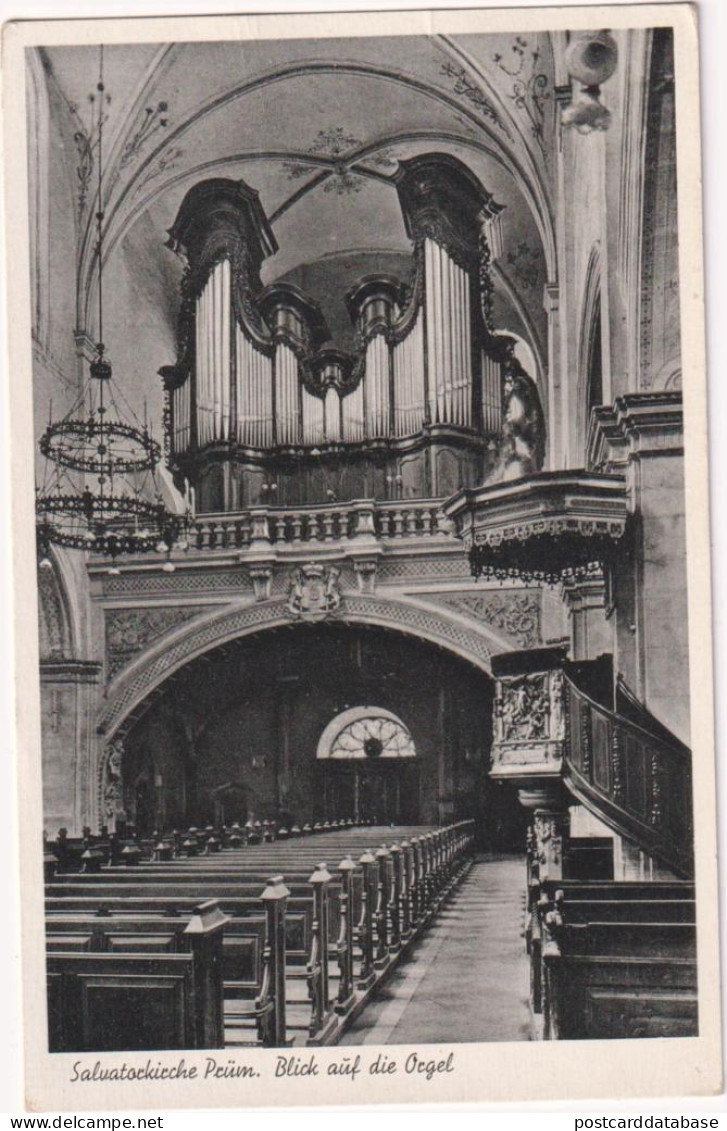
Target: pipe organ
258	384
410	410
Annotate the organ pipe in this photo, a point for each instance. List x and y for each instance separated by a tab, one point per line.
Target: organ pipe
372	306
181	415
297	327
314	431
409	406
332	405
286	395
213	313
369	410
352	407
254	393
377	387
448	337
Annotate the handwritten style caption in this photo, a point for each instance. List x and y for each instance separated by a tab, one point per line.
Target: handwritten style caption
284	1066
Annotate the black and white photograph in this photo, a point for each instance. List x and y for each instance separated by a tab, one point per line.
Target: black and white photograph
365	603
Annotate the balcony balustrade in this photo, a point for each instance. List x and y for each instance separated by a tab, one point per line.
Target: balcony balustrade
355	522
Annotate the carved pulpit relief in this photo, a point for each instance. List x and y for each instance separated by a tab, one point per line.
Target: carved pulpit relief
314	592
524	709
529	721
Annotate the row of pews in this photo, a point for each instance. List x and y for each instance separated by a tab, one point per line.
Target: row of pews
88	853
612	959
207	941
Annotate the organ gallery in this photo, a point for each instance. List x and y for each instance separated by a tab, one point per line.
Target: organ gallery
361	538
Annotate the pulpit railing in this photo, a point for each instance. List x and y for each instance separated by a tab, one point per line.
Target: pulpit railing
637	781
558	723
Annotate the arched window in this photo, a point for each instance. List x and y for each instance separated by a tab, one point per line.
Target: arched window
366	733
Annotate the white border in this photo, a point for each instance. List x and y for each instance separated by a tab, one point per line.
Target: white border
612	1074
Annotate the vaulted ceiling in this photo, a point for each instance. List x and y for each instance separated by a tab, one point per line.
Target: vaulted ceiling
317	128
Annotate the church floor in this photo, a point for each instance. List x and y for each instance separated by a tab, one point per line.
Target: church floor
467	979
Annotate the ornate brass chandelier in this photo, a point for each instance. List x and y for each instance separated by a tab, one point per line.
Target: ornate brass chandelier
100	492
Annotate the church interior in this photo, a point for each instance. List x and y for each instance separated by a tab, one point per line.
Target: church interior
361	537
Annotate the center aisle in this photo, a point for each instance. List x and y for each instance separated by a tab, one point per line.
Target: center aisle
467	979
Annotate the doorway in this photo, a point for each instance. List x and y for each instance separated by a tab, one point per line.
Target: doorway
385	793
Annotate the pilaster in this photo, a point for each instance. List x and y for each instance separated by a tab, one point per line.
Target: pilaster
68	705
587	604
641	436
551	304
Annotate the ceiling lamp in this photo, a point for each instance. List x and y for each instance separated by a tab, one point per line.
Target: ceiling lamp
591	59
100	493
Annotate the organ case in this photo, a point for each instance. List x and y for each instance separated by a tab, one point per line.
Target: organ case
258	385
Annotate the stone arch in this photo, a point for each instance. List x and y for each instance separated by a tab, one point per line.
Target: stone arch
55	628
669	376
149	671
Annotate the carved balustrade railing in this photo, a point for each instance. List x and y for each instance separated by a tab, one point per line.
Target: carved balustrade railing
356	521
639	782
636	778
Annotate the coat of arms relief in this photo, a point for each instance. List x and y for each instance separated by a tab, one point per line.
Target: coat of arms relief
314	592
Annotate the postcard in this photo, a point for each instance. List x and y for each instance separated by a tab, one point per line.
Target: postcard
361	558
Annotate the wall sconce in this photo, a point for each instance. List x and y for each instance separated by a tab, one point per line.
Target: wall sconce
591	58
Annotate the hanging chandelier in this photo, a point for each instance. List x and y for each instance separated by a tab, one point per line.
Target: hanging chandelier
100	492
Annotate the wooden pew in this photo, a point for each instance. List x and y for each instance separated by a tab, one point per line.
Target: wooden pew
298	924
328	916
104	1001
617	889
604	996
628	910
613	979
